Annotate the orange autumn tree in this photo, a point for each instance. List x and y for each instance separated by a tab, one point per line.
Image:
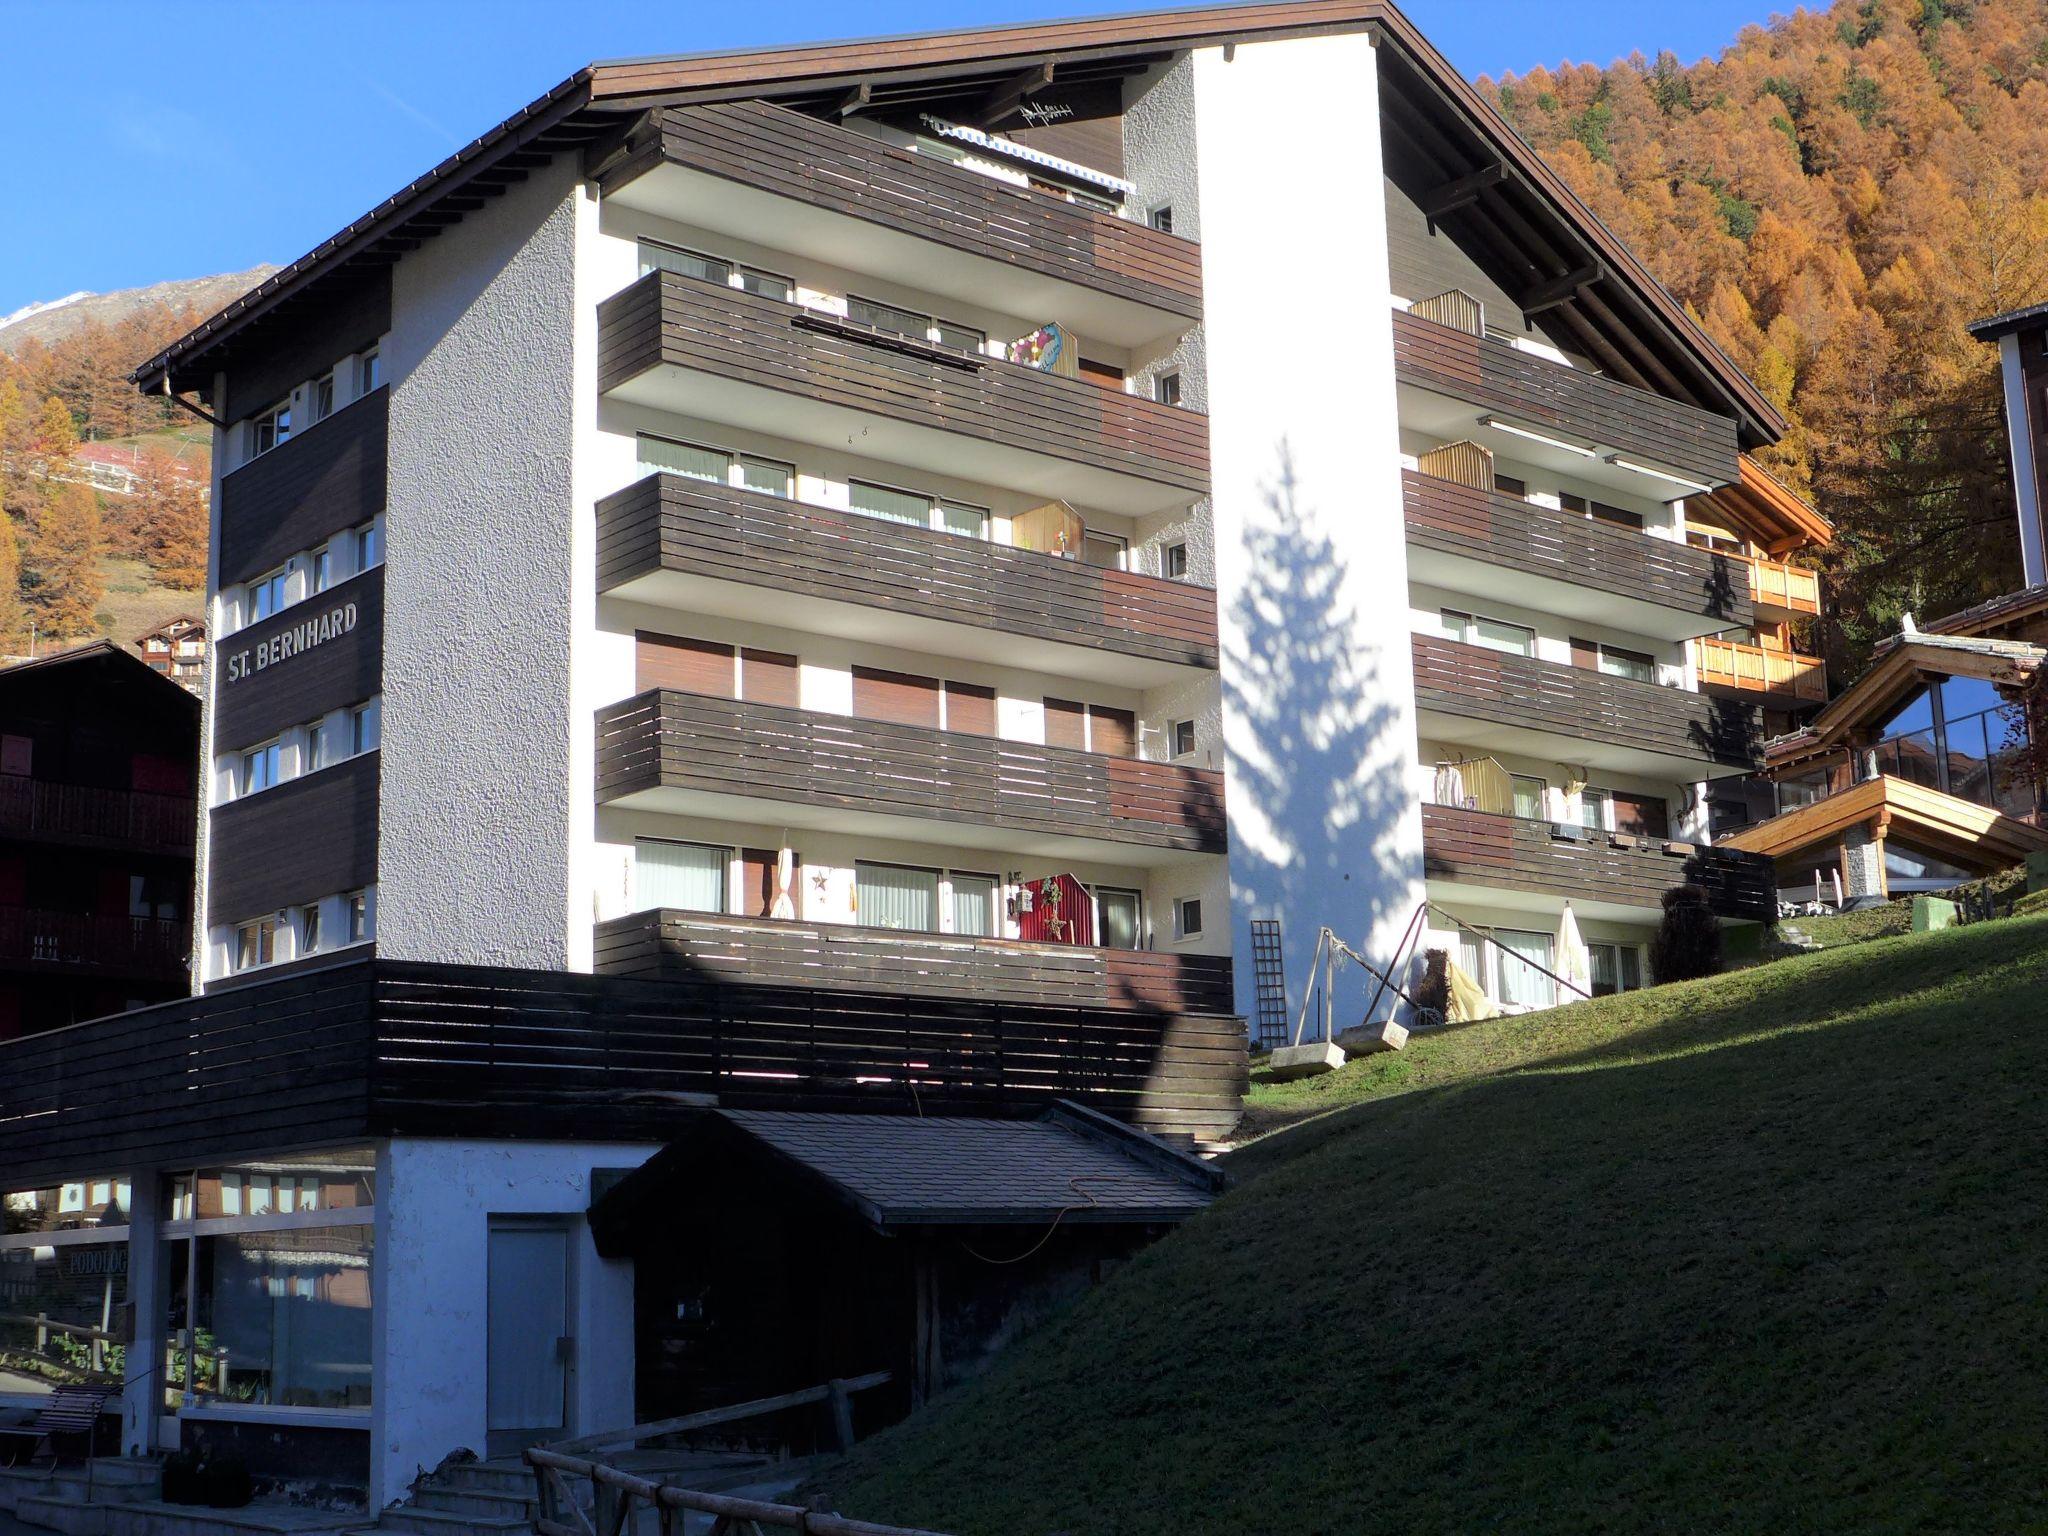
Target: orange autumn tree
1835	196
61	580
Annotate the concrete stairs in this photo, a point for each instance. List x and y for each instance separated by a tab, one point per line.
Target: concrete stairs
120	1496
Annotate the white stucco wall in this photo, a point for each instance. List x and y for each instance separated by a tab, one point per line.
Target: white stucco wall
1311	562
476	804
435	1201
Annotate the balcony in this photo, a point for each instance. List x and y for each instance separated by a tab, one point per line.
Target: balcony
1779	677
673	343
94	943
328	477
1456	385
1489	545
1783	591
755	952
1603	874
1471	695
780	179
84	815
687	753
705	548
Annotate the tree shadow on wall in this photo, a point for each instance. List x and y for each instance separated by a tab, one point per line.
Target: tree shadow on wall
1320	758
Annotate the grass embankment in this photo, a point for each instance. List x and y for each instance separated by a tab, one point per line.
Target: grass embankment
1764	1252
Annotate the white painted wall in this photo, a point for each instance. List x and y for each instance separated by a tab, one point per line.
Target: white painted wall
435	1199
1311	562
2026	484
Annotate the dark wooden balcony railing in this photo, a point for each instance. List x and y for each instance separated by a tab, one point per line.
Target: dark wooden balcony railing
89	815
774	149
1533	391
671	945
1509	853
672	522
666	318
377	1047
668	739
1508	531
89	941
1475	683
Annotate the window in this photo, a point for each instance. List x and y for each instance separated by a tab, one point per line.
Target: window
1508	485
323	568
896	896
1530	796
271	428
261	767
908	322
323	399
655	256
765	284
1180	738
1492	634
328	742
255	944
1108	551
916	508
1614	968
266	596
1173	562
1116	918
974	904
1520	980
962	338
1187	918
369	372
355	907
1166	387
1634	665
1596	809
309	928
755	473
369	545
156	896
688	876
1161	218
366	728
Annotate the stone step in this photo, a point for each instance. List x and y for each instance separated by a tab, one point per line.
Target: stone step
441	1522
63	1513
501	1503
127	1472
18	1483
497	1477
153	1517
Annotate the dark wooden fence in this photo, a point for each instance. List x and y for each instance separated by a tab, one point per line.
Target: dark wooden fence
86	814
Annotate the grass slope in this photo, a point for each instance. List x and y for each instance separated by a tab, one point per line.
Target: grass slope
1764	1252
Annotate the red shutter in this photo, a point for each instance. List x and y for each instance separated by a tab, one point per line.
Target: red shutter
971	708
898	697
769	677
694	666
1066	724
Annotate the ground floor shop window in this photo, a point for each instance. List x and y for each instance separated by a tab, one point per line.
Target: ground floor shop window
63	1284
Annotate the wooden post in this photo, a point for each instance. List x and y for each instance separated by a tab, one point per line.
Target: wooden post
842	1415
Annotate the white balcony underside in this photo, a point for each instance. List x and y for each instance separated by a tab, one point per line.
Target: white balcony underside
806	614
1486	581
1500	736
1462	899
840	240
938	832
799	418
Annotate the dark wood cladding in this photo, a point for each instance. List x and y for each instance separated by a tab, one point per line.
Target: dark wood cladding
378	1047
671	522
1577	403
318	482
665	739
678	946
332	675
1508	531
309	837
758	144
309	343
89	816
667	318
1469	680
1508	853
150	948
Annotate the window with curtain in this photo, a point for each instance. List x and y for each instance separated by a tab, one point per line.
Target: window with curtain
1116	918
1614	968
687	876
692	459
959	518
893	896
1470	958
974	904
1529	797
1520	981
1595	809
1493	634
656	257
891	505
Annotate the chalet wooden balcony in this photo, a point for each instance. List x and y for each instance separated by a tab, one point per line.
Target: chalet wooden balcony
86	815
1783	589
675	343
1467	693
714	548
668	750
1599	872
94	943
374	1047
1535	393
1778	676
1489	544
792	182
840	957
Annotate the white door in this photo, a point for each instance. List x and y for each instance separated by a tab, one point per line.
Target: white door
530	1336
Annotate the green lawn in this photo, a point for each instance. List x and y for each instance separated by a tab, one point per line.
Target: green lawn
1762	1253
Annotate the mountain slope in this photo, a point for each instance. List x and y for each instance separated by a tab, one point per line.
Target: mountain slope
1762	1252
50	323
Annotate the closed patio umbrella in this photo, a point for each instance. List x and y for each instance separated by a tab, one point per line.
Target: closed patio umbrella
784	905
1573	963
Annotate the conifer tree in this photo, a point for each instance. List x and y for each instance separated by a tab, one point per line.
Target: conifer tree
61	578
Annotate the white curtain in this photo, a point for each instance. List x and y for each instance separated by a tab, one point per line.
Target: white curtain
686	876
894	897
974	905
1522	983
685	459
894	506
1116	919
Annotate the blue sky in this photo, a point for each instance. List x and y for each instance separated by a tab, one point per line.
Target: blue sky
153	141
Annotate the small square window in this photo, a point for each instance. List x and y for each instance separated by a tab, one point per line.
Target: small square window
323	398
255	944
1173	561
309	928
364	729
1161	218
1182	735
1166	387
357	907
369	372
1187	918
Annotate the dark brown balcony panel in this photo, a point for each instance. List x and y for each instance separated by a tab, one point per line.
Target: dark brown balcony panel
674	523
373	1047
1508	853
1576	403
664	739
682	946
1508	531
668	319
87	816
307	838
760	145
91	943
324	653
321	480
1576	702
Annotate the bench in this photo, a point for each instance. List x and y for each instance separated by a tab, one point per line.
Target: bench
70	1411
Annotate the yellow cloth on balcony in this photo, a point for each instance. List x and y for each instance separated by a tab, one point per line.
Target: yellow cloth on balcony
1469	1001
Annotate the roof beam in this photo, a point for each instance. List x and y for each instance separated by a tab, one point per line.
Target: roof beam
1004	101
1460	192
1562	289
856	101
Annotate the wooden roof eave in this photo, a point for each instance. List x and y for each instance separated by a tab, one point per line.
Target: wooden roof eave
1976	831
